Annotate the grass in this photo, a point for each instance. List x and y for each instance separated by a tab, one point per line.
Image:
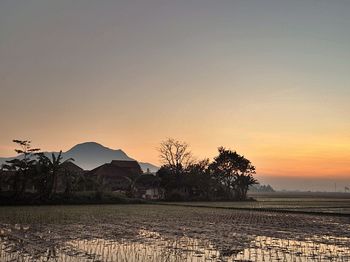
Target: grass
62	214
76	198
85	214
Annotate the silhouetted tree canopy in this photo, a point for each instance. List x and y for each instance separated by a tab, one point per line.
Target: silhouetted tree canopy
23	167
227	177
49	169
234	171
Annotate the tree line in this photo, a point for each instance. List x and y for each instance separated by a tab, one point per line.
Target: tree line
227	177
34	168
181	177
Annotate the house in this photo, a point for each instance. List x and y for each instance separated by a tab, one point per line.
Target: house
147	186
5	180
118	175
69	176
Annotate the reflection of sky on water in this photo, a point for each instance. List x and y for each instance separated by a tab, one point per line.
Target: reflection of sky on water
153	246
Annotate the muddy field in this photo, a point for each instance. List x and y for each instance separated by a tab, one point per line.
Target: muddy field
168	233
333	203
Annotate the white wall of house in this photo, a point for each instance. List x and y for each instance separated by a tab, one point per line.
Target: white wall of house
152	193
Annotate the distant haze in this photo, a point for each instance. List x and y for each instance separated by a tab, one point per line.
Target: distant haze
322	184
269	79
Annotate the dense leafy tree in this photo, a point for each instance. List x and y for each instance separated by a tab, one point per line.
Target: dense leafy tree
169	180
233	171
199	181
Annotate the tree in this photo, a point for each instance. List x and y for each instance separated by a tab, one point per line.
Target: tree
243	181
199	180
71	177
22	167
175	154
176	157
49	170
233	171
224	169
2	172
168	180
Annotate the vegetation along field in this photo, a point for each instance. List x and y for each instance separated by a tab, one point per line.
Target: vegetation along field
169	233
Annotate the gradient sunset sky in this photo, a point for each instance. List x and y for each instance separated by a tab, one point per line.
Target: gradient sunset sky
270	79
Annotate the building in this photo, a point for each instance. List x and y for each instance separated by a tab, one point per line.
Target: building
147	186
118	175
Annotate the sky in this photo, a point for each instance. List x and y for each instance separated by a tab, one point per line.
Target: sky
268	78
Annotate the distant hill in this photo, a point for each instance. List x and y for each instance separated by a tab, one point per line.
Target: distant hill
261	188
90	155
148	166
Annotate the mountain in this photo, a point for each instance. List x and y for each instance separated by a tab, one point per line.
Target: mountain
148	166
4	159
90	155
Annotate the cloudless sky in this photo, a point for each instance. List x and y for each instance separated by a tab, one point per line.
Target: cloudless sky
268	78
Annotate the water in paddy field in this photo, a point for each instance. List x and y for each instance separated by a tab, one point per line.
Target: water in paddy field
21	245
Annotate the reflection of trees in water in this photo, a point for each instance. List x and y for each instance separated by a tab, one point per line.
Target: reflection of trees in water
174	249
18	249
210	244
28	246
188	248
72	245
22	244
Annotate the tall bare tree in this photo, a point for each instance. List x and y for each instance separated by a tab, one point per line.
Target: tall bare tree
175	154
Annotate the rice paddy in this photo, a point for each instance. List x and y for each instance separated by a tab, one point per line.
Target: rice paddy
330	203
169	233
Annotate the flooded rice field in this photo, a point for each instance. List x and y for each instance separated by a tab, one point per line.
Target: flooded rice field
334	204
168	233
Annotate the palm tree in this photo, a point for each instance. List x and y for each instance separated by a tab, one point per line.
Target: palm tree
51	169
22	167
